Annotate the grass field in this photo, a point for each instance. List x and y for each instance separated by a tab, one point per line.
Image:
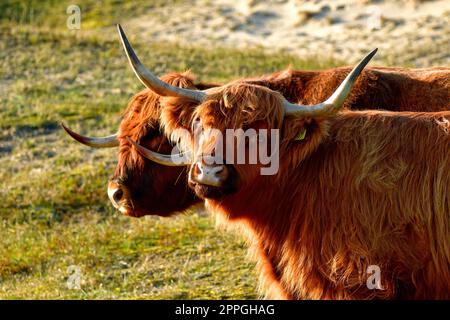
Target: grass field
54	210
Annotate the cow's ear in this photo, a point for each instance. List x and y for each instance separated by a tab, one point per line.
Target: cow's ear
302	137
305	132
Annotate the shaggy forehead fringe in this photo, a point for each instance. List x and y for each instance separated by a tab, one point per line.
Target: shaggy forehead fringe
145	108
239	104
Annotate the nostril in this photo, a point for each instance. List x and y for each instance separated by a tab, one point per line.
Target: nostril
198	168
117	196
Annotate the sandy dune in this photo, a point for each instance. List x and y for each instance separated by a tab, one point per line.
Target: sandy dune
411	32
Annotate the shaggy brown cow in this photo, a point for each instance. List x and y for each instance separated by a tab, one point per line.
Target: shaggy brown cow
360	191
141	187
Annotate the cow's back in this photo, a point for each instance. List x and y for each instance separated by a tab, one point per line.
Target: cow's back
393	89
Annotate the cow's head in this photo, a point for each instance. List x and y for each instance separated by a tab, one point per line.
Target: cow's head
238	105
141	186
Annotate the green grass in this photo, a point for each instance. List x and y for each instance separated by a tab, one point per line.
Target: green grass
95	13
54	211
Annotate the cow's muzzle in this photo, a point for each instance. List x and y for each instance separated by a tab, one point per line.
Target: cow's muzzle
210	180
209	174
119	196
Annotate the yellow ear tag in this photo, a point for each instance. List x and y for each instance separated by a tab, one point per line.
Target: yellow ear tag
301	135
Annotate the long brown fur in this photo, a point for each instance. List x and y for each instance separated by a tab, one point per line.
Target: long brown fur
363	188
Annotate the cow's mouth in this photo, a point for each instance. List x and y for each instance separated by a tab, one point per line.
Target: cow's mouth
131	212
207	192
128	209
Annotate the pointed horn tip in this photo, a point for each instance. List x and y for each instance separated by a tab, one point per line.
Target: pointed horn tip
337	95
369	56
373	52
72	133
150	80
67	129
119	28
123	38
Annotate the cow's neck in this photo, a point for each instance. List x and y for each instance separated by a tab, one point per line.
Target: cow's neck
266	227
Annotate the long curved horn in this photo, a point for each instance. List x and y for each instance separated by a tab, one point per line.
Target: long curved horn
150	80
100	142
334	103
180	160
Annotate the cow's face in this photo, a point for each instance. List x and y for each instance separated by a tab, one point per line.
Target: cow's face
140	186
229	128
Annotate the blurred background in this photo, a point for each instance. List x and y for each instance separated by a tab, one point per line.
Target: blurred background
62	61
